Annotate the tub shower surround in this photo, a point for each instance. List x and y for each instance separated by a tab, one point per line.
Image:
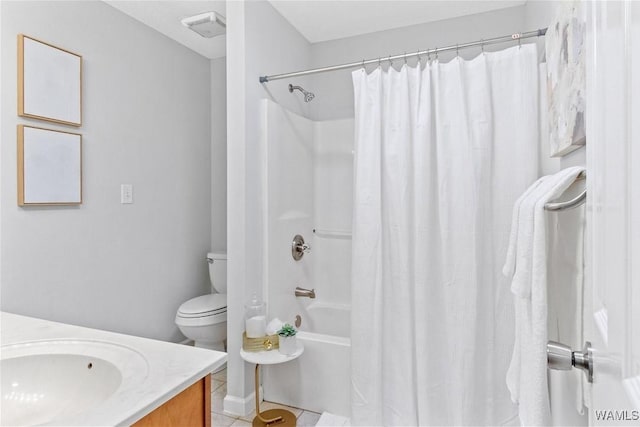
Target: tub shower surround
314	281
138	375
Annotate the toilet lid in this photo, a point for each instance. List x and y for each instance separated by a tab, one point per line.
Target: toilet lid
205	305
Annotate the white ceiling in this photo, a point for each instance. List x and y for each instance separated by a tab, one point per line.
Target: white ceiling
322	20
165	17
317	20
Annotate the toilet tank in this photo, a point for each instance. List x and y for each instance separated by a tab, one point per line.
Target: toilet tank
218	271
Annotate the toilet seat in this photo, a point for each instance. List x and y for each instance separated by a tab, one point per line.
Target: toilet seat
206	309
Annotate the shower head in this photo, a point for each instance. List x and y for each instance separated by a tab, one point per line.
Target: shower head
308	96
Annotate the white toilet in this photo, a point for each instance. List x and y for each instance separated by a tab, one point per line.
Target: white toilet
204	319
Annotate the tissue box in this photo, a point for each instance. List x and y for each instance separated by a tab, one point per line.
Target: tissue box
266	343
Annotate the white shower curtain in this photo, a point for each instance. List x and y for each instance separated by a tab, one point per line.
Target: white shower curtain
442	153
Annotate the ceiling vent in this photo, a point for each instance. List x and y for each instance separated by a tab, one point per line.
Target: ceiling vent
208	25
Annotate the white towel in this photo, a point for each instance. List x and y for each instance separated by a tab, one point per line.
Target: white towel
510	265
522	230
526	266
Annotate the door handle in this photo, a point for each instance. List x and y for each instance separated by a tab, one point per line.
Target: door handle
561	357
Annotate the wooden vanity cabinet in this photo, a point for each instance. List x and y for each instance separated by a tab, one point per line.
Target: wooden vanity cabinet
190	408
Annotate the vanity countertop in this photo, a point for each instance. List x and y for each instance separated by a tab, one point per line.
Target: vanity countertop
171	368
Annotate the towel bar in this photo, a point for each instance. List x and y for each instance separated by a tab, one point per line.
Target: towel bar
569	204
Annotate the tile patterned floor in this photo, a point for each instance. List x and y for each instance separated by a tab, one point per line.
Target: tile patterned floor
220	419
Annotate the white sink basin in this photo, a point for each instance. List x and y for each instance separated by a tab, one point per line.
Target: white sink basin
52	382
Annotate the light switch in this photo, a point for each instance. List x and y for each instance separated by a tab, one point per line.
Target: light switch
126	193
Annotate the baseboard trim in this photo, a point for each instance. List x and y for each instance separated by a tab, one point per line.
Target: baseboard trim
238	406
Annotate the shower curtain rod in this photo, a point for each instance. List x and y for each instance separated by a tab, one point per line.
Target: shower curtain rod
513	37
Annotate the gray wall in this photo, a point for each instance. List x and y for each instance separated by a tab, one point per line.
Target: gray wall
219	155
146	114
259	41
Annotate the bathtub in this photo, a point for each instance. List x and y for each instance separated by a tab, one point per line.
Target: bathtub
319	380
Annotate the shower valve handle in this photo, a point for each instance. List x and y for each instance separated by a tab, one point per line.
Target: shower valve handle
299	247
304	248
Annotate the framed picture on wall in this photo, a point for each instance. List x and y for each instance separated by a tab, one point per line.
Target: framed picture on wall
49	82
566	79
49	167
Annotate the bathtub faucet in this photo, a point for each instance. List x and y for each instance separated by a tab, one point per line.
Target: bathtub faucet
302	292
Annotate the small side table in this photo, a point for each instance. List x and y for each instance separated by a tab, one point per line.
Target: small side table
272	417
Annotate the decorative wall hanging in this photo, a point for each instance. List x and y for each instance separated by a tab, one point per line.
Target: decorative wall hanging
49	82
565	51
49	167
